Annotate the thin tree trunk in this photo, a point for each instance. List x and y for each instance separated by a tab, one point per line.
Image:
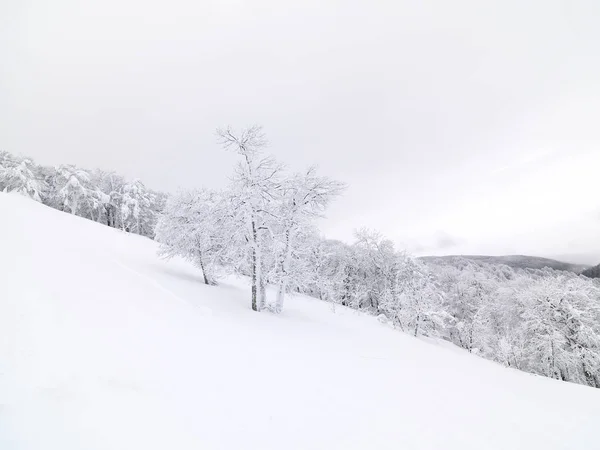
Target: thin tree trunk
206	281
471	339
417	324
284	269
280	296
262	293
254	264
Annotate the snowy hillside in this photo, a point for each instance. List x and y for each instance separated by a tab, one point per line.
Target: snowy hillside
105	346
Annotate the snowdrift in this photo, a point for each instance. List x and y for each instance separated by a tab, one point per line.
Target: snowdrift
105	346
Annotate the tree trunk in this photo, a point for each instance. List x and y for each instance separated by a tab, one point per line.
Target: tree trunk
417	324
471	338
284	269
280	296
254	264
206	281
262	293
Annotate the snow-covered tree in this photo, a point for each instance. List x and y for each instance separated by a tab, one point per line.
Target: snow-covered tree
190	227
111	186
255	188
20	175
157	206
379	263
420	309
302	199
466	304
563	333
136	214
71	189
327	264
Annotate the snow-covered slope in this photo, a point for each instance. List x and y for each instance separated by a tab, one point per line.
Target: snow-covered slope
105	346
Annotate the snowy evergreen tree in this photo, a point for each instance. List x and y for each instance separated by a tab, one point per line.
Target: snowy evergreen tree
136	215
20	175
111	186
71	189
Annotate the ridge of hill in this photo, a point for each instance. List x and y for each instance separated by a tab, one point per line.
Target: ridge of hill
514	261
592	272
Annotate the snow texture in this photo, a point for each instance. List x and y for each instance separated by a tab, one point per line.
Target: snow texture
105	346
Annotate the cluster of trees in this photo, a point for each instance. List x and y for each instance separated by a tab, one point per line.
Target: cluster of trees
104	197
258	226
544	321
263	225
541	321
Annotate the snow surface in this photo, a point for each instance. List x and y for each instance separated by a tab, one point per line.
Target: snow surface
105	346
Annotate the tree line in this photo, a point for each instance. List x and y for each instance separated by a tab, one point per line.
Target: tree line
264	225
101	196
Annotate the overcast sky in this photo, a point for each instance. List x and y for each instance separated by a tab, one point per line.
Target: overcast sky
459	127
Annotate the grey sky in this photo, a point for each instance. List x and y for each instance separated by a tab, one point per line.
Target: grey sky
460	127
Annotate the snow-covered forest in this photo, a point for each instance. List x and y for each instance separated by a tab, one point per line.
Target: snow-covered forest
104	197
264	225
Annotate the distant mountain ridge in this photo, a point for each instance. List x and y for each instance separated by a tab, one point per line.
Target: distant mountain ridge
592	272
514	261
